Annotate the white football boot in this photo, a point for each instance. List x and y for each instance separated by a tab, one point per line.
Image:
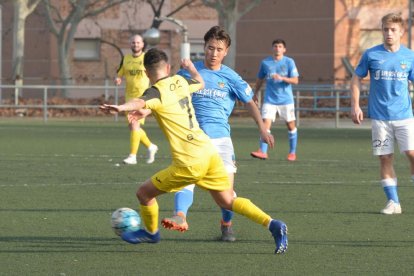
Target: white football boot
131	160
152	150
391	208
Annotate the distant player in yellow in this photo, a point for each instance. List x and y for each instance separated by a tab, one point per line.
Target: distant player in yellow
194	158
133	70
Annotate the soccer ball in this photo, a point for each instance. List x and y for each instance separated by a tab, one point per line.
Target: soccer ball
125	220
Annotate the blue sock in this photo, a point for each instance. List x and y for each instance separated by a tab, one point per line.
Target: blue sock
293	140
227	215
263	145
390	189
183	200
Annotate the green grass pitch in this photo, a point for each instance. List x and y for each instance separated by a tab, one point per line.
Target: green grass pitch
59	185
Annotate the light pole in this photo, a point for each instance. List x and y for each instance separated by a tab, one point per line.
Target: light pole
152	36
185	45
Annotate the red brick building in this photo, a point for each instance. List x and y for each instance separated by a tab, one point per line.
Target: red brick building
320	35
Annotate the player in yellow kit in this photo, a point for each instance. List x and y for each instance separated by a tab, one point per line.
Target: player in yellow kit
133	70
194	158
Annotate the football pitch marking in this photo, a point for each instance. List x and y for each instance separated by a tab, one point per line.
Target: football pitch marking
40	185
69	184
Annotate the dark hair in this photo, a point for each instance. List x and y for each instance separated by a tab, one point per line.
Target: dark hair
279	41
218	33
153	58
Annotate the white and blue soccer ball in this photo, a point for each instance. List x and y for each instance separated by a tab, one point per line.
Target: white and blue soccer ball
125	220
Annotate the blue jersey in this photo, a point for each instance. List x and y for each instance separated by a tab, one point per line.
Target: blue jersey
214	103
389	97
277	92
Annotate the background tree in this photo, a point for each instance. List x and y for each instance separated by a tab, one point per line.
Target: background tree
63	19
157	5
22	9
230	11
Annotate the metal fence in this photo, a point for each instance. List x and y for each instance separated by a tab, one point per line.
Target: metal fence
310	100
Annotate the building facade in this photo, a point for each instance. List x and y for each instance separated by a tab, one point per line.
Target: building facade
325	37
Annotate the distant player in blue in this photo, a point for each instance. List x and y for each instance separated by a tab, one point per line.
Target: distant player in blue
390	66
213	106
280	73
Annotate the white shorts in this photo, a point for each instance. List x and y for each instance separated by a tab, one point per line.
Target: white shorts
384	133
286	112
225	149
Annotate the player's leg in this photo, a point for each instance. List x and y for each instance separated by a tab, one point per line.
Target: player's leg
390	185
146	195
217	182
293	140
183	200
245	207
268	116
134	140
152	148
383	147
287	113
226	224
404	134
225	149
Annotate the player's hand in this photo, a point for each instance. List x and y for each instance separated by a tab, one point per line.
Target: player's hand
357	115
117	81
188	65
277	77
255	99
110	109
268	139
137	115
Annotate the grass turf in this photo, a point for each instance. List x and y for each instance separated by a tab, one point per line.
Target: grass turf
59	185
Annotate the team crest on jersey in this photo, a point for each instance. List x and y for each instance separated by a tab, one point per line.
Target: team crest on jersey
221	84
404	64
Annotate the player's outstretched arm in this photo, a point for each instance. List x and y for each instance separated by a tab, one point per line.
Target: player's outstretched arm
134	104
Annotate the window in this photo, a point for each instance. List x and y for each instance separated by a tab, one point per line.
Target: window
197	51
87	49
369	38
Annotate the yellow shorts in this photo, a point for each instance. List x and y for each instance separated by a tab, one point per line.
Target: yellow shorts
209	174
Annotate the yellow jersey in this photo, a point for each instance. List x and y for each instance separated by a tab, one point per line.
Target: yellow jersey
170	102
133	70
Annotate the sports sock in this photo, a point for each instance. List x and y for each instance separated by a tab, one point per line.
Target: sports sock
144	138
134	139
226	215
149	215
263	145
293	140
390	189
245	207
183	199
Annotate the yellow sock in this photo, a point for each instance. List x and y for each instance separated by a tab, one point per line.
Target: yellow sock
245	207
144	138
134	139
149	215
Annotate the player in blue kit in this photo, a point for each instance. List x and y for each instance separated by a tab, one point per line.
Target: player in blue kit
280	73
390	66
213	106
